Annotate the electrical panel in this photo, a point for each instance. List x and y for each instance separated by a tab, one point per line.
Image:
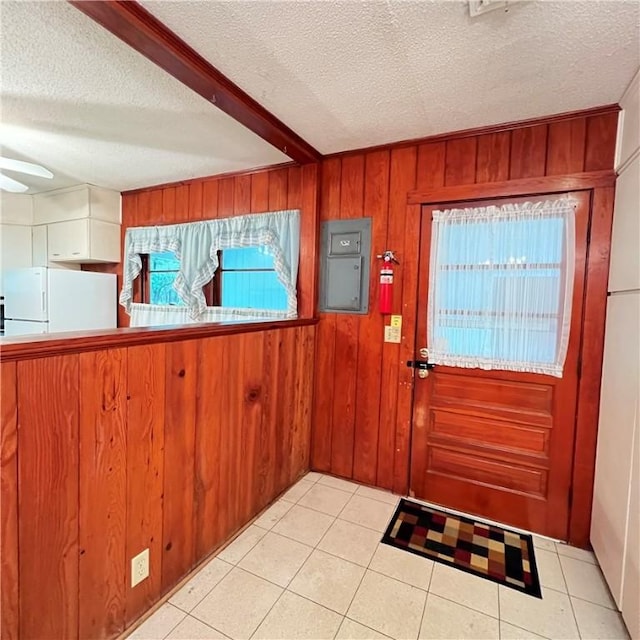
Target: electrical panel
344	266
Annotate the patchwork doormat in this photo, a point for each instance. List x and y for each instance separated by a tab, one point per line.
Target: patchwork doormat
488	551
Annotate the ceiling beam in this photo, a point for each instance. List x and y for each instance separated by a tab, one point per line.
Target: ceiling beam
134	25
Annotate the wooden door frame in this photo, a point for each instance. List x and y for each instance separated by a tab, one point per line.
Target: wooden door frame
601	185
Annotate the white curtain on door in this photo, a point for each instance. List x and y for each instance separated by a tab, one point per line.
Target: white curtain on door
500	286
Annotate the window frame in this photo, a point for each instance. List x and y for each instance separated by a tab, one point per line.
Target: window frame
212	290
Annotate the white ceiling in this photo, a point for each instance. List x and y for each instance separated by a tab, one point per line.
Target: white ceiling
355	73
85	105
342	74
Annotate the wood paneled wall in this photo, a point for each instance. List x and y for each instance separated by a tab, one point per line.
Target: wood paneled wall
168	446
362	393
256	192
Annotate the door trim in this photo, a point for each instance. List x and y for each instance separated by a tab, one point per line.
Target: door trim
601	185
513	188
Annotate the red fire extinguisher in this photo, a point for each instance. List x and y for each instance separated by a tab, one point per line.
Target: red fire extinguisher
386	281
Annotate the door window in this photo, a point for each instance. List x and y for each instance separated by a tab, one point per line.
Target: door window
501	280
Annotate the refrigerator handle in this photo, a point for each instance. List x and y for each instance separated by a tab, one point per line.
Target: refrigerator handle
43	302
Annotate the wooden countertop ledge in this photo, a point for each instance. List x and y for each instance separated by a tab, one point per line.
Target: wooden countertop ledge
43	346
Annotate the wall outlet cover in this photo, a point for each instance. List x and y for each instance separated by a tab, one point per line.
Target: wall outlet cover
139	567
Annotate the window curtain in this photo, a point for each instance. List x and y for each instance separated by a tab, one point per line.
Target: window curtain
500	286
149	315
196	245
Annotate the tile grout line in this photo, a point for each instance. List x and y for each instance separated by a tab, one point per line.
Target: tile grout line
355	593
231	566
364	526
175	625
286	588
573	612
488	615
361	486
366	568
424	608
564	555
499	611
206	624
235	564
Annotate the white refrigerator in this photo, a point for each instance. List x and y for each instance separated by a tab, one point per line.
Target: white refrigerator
45	300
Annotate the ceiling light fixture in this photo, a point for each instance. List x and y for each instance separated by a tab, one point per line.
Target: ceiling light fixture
11	185
19	166
25	167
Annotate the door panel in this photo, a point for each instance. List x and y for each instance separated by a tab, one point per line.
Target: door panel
498	444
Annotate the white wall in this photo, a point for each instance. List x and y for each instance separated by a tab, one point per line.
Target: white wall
615	534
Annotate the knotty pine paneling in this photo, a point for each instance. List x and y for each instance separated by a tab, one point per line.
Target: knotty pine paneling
48	483
9	607
103	491
366	437
204	199
178	554
402	178
209	525
492	163
345	372
528	157
251	374
566	147
168	446
146	375
367	411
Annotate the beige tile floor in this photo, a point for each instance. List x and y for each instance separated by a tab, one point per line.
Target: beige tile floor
312	566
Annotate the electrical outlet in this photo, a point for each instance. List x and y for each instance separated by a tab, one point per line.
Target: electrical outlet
139	567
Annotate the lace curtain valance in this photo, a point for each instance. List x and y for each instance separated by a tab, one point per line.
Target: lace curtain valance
500	286
196	245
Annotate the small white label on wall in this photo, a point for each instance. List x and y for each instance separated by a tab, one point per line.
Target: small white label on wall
392	334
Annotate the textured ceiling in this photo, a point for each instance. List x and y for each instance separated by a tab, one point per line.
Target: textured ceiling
82	103
354	73
342	74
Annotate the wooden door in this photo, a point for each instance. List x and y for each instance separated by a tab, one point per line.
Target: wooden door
499	444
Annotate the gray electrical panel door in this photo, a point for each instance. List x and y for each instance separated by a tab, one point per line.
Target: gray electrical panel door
344	266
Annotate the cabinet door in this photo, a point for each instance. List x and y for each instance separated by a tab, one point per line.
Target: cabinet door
104	244
55	207
68	241
16	246
76	202
624	272
39	245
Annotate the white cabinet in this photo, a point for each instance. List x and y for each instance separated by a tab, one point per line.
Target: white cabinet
16	208
39	245
624	271
83	240
15	248
629	127
76	225
84	201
